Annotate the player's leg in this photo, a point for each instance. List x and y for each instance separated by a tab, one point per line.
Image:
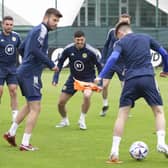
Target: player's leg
12	83
63	99
67	92
2	81
22	113
31	109
14	101
34	111
1	92
153	98
31	89
128	96
10	135
106	83
160	129
118	132
105	107
121	79
85	107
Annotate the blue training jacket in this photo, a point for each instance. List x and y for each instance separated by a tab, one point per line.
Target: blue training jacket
8	48
108	48
82	62
34	51
135	50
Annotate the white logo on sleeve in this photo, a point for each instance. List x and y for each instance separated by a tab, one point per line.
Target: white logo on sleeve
79	66
9	49
42	35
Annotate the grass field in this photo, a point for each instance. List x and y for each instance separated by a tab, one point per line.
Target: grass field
72	148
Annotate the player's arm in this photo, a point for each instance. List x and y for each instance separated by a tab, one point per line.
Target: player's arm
19	41
98	66
105	48
36	44
97	62
155	46
164	55
61	60
21	48
110	62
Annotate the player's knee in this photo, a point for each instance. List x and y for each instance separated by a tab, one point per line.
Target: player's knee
13	91
159	112
105	85
1	92
1	89
87	95
61	103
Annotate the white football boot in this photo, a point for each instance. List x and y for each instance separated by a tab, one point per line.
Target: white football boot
163	149
63	123
82	124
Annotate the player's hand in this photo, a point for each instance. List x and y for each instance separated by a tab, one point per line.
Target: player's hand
164	74
98	80
102	64
55	68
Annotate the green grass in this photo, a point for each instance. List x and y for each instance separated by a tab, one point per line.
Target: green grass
72	148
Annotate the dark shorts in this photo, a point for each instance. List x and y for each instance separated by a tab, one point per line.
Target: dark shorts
30	87
138	87
69	85
111	73
8	75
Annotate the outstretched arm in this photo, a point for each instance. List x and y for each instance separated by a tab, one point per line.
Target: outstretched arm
61	60
157	47
110	62
106	48
164	55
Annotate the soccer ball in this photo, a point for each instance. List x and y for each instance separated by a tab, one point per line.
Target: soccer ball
138	150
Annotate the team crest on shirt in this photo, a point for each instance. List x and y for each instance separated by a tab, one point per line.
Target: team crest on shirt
72	54
2	40
13	38
84	55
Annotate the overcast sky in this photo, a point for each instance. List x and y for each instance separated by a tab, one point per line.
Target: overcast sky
31	10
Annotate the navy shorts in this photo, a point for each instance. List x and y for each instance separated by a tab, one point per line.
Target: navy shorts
8	75
110	75
69	85
143	86
30	86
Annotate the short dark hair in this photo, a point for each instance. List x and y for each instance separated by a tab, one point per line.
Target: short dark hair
7	18
53	11
79	33
119	25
